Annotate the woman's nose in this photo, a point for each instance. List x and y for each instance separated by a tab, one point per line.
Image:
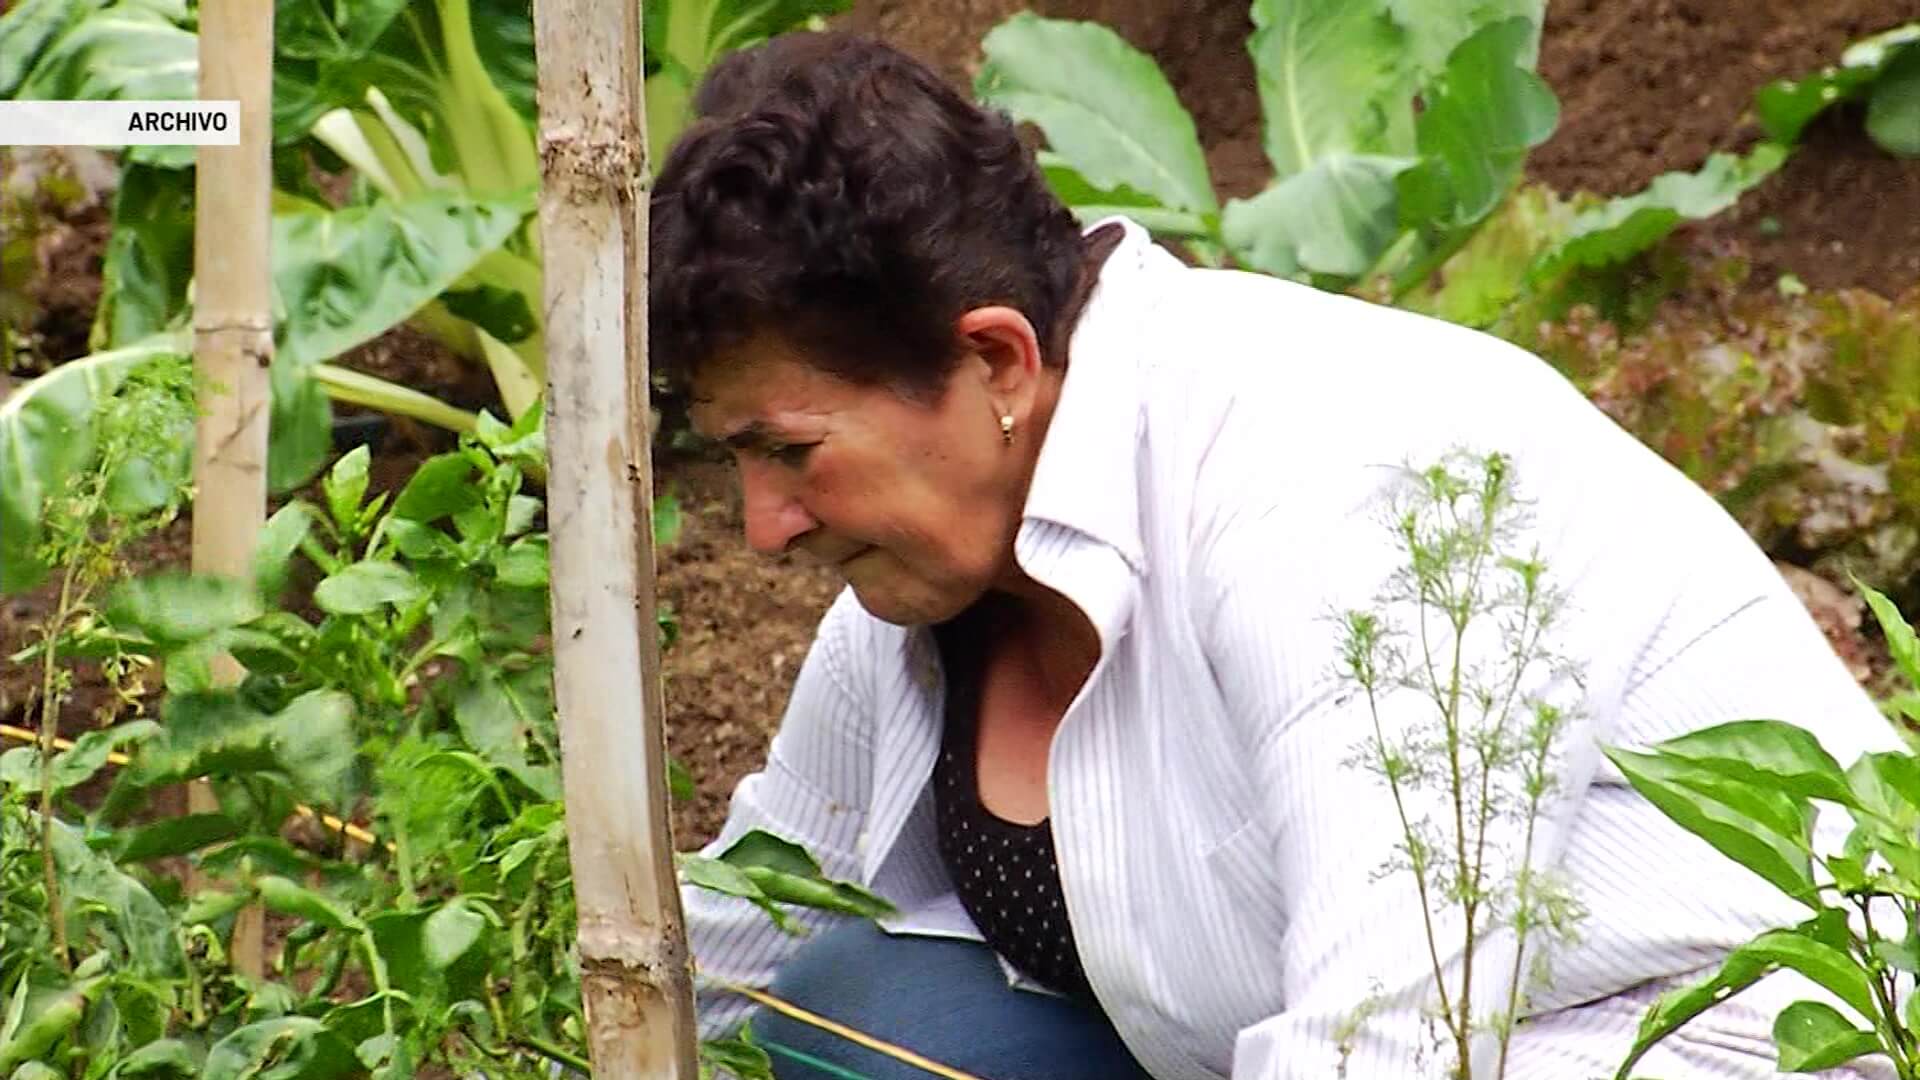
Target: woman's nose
774	516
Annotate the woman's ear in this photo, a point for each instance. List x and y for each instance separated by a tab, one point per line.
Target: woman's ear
1004	341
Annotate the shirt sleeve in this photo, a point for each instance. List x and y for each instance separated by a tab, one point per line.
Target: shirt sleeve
814	791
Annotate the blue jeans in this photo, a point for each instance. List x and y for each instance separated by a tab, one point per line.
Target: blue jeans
944	999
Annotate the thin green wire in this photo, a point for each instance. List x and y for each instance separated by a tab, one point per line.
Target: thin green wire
828	1067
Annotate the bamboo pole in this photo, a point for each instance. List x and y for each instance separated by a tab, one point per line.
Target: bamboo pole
637	982
233	332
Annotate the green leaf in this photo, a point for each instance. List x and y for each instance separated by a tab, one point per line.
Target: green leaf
174	836
450	932
174	608
299	429
344	277
488	722
279	539
364	587
1103	105
523	564
314	742
1090	204
46	439
136	50
291	898
345	487
1624	227
738	1057
287	1048
28	28
439	487
1893	112
1887	787
321	50
1331	74
122	902
1744	966
74	767
1786	106
1901	642
166	1059
1765	831
1767	753
149	256
729	880
1811	1036
59	1015
1482	116
680	781
1434	30
739	24
782	871
1336	217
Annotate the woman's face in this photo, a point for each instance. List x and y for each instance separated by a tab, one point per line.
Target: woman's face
914	504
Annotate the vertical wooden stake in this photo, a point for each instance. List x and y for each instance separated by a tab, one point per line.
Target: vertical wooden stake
593	219
233	331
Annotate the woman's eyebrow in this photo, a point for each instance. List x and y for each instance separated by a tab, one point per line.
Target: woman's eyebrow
752	433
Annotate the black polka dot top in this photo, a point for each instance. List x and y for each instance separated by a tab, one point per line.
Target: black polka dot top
1005	873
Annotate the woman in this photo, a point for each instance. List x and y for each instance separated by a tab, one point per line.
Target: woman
1075	714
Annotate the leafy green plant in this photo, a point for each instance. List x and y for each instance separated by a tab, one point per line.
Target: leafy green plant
1751	788
1468	777
1394	130
686	37
1800	412
1883	71
396	685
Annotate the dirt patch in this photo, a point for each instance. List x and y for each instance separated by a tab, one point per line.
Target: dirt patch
745	623
1649	86
1646	87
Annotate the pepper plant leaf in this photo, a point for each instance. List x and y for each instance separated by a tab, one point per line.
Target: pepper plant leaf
1766	753
1812	1036
1104	106
286	1048
1766	831
1796	949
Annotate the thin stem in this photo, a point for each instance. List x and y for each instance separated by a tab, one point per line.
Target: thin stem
50	701
1522	899
1889	1023
1413	844
553	1053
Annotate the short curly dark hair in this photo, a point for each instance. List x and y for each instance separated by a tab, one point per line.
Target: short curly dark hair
838	193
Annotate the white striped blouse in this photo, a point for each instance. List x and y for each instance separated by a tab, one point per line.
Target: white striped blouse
1205	494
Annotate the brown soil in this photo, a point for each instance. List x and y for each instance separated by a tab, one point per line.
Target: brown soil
1646	87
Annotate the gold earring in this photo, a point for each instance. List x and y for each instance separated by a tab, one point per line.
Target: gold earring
1006	429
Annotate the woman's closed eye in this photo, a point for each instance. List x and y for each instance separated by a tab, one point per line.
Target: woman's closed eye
790	454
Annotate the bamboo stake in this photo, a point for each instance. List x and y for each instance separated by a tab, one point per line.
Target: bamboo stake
233	332
637	982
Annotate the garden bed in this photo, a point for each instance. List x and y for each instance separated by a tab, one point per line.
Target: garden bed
1646	86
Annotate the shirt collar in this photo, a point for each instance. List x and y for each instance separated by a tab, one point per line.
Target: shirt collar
1085	478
